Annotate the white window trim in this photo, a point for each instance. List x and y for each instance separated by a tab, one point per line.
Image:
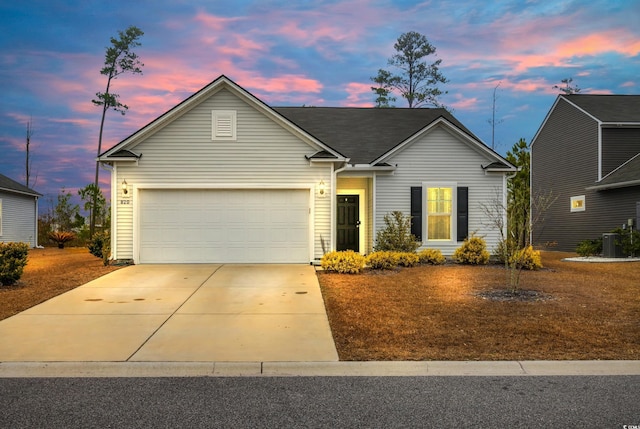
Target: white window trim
454	211
578	209
223	125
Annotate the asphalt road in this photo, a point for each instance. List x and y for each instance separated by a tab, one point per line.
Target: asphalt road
321	402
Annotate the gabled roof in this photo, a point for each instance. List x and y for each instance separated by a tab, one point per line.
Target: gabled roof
366	134
10	185
608	108
360	136
122	151
628	174
603	108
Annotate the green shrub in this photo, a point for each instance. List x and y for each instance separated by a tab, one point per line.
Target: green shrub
473	251
431	256
345	262
383	260
628	241
100	245
396	235
526	258
407	259
591	247
13	259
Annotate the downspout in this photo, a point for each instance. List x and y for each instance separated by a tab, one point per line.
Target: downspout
35	240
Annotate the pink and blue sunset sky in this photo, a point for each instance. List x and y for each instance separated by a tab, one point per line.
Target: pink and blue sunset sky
292	53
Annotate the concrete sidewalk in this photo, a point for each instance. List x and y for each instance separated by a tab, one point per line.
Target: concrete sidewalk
178	313
318	369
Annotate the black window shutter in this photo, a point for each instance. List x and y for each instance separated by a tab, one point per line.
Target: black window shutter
416	211
463	212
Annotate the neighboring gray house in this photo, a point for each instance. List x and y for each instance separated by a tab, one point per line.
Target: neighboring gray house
18	212
587	154
222	177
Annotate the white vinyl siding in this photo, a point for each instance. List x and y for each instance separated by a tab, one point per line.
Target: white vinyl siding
182	155
18	218
439	157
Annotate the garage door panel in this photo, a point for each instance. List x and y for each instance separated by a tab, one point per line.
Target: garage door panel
224	226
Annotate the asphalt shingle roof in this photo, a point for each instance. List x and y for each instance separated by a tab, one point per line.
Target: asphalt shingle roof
364	134
609	108
628	172
11	185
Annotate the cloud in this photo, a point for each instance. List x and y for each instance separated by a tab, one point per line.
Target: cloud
359	95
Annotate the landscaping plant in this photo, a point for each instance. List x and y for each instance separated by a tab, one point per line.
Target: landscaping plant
396	235
13	259
473	251
61	237
344	262
383	260
407	259
591	247
431	256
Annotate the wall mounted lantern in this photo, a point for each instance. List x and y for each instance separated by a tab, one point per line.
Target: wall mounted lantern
322	189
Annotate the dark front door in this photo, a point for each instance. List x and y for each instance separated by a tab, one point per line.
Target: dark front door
348	223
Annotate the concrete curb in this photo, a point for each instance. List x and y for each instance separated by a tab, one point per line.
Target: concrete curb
317	369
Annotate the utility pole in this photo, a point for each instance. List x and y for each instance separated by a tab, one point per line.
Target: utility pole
492	121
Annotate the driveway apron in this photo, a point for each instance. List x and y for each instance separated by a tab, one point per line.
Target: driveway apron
179	313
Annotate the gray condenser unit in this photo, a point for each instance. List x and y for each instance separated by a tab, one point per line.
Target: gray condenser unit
611	247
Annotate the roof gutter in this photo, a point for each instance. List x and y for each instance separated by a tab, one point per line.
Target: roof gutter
613	185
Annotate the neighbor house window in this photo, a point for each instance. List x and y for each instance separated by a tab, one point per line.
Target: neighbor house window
223	125
577	204
439	213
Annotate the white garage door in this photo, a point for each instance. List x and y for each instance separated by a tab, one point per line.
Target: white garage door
233	226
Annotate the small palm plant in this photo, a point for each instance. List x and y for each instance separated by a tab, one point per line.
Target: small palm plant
61	237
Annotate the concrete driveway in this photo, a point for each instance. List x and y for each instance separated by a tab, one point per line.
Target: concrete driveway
179	313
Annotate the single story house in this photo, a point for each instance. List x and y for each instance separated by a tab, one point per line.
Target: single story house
586	155
223	177
18	212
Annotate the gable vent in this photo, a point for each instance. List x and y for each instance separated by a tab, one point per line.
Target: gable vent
223	124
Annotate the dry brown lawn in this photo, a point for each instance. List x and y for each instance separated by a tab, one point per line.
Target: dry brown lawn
431	312
50	272
436	313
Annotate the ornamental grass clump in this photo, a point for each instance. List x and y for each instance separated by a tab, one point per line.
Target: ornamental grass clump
431	256
473	251
13	259
383	260
343	262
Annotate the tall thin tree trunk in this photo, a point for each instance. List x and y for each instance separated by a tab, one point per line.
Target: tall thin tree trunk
92	214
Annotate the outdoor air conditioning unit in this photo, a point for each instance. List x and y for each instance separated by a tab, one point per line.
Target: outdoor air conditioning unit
611	247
